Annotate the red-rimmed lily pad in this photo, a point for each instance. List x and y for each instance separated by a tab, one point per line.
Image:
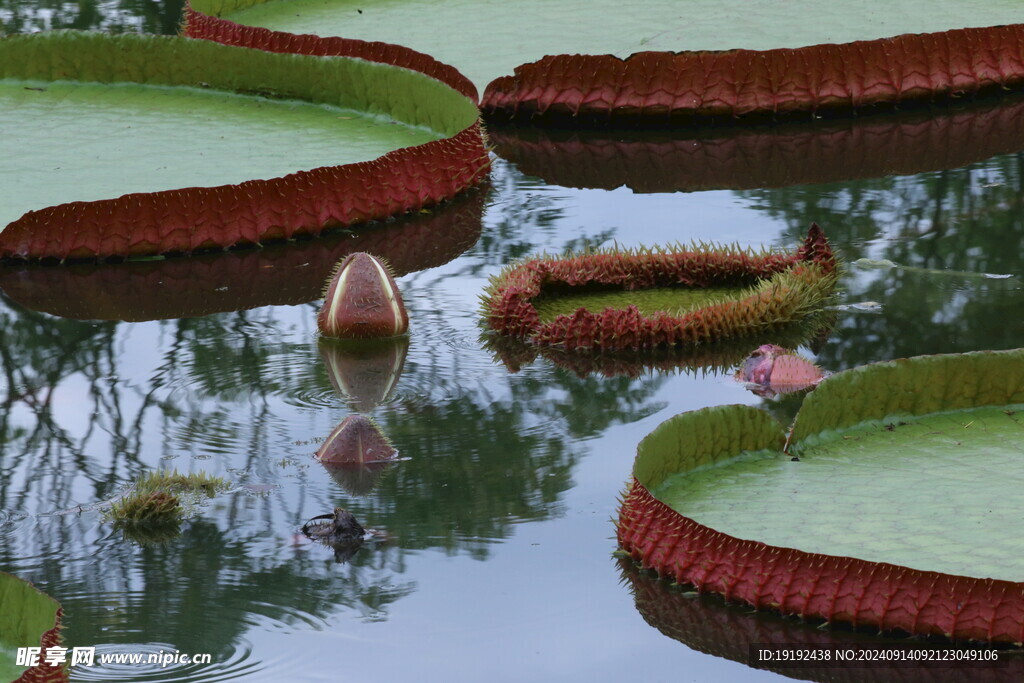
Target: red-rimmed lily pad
359	140
895	503
749	157
658	298
489	40
28	619
686	87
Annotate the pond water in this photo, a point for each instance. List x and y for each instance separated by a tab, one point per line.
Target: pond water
498	560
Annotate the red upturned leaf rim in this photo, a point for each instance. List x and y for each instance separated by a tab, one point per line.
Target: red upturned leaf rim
276	275
755	157
815	585
208	27
685	87
196	219
788	287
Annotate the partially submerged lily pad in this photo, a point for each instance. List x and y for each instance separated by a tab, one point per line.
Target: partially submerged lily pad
486	40
655	298
895	503
28	618
366	141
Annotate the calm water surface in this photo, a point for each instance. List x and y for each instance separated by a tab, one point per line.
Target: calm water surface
498	562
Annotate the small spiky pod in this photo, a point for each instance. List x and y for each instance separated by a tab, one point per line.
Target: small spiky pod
356	441
755	157
148	507
673	88
786	288
153	510
362	301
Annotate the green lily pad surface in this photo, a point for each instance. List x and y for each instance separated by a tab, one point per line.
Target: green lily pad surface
891	467
488	38
25	615
938	493
69	141
674	301
91	116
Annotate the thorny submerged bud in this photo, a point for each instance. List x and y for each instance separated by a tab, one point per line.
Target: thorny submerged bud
362	301
356	441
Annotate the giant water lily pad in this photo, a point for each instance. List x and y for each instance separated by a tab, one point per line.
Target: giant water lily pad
268	145
895	503
28	618
651	298
489	39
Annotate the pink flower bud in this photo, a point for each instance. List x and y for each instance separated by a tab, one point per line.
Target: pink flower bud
362	301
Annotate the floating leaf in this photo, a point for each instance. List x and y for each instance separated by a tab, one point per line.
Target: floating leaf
894	505
490	39
94	87
651	298
28	618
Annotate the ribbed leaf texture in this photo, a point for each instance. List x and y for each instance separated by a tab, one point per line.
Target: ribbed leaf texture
911	386
253	212
308	202
761	157
670	87
199	25
790	287
814	585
